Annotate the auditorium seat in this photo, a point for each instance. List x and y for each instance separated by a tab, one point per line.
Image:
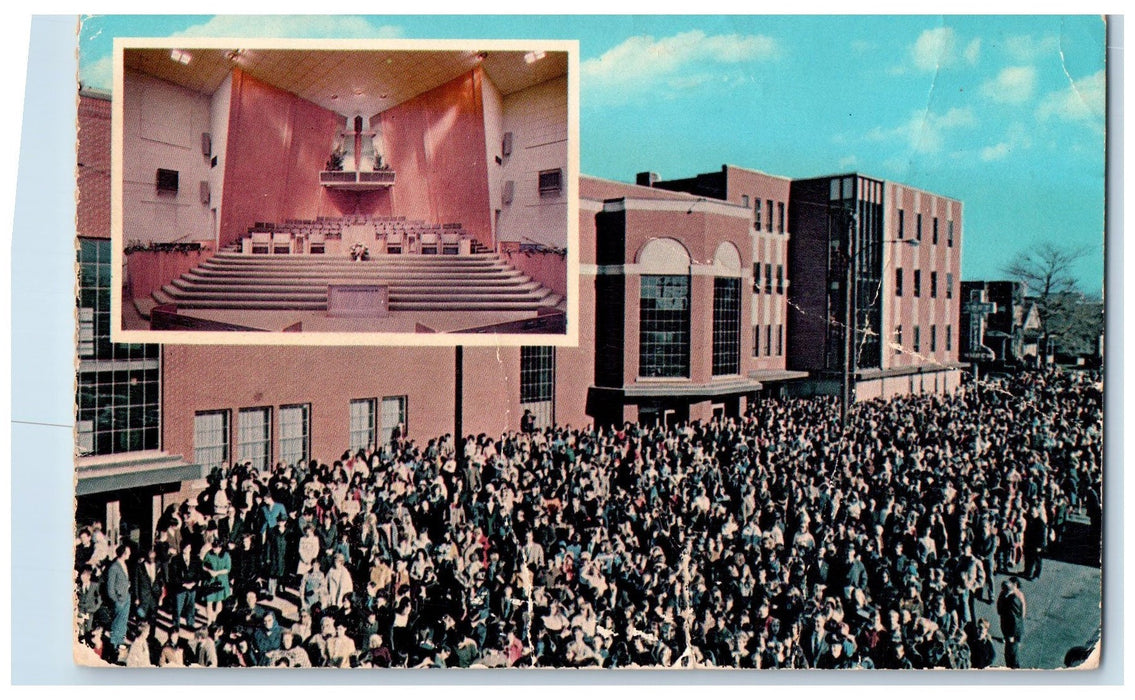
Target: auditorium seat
261	242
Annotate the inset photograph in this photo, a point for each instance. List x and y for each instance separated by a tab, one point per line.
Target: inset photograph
388	191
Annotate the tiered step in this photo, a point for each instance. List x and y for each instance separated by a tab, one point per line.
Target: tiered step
477	282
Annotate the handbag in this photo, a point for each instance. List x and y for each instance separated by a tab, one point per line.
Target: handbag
209	587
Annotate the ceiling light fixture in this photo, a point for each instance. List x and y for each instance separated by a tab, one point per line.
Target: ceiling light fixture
358	92
482	55
234	54
182	57
533	56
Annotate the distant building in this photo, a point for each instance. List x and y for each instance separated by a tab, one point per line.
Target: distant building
1001	326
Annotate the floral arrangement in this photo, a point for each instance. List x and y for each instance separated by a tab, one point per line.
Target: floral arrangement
359	252
135	246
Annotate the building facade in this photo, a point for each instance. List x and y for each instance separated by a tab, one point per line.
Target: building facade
891	255
123	478
698	297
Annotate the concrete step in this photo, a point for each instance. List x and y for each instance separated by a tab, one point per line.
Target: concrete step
297	258
235	277
186	298
255	286
232	280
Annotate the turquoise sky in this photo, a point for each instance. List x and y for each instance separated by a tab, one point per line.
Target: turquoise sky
1003	113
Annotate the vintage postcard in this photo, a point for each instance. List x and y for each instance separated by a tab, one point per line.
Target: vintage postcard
633	342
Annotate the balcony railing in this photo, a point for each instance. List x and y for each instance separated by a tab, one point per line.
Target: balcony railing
356	180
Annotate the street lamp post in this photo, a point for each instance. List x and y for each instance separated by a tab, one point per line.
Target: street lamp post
849	320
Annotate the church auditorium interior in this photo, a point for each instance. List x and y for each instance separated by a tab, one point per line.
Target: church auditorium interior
401	190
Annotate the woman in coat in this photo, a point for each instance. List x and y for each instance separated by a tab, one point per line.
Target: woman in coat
217	564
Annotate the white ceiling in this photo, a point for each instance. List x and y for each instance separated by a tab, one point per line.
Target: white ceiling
349	82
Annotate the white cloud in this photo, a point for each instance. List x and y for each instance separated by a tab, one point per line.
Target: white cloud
1012	85
934	48
997	152
294	26
1082	100
643	62
1028	49
925	131
848	162
973	52
99	74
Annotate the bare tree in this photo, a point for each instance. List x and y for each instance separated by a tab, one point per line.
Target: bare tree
1046	272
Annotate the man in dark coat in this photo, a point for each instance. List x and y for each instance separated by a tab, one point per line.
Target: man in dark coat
184	574
1036	540
147	587
1011	608
275	555
246	564
90	600
981	646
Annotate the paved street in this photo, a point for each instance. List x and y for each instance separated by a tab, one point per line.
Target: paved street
1063	612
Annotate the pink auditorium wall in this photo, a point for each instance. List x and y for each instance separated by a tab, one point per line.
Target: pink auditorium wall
435	143
549	269
277	144
148	270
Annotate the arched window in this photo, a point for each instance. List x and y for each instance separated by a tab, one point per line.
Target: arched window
664	309
726	310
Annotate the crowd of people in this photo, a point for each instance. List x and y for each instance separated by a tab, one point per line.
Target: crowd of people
781	539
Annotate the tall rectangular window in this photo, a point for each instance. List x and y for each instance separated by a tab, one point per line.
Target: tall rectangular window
393	415
211	438
918	283
780	279
363	431
726	326
918	227
898	281
756	341
949	285
768	211
950	234
902	223
898	339
933	338
780	217
745	201
768	278
780	339
756	278
295	434
664	326
933	284
949	339
119	384
538	383
757	214
768	339
934	232
917	339
254	436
